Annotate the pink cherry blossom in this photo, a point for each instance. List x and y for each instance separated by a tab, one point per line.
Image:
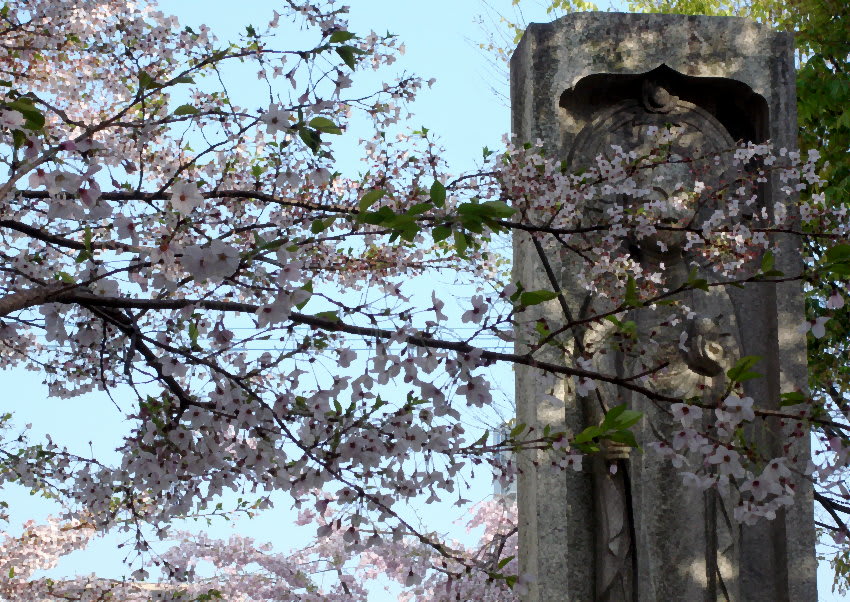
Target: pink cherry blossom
276	119
686	414
11	119
835	301
185	196
816	326
727	461
213	262
734	410
477	312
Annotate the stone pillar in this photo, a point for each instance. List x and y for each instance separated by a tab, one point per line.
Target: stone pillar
580	84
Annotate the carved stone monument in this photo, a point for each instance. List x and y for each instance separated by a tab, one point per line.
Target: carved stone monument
582	84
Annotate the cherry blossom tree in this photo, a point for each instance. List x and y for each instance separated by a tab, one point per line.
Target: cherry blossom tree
246	570
155	233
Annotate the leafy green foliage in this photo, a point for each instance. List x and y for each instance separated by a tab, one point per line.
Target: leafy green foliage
370	198
312	138
741	370
340	36
529	298
325	125
836	260
438	194
186	110
631	298
25	106
349	55
614	427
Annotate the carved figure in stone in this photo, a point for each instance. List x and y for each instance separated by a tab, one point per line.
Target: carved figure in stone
625	528
636	503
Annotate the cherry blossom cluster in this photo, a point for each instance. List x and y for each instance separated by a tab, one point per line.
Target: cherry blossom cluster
620	236
245	570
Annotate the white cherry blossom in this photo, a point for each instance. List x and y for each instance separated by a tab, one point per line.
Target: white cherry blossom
185	196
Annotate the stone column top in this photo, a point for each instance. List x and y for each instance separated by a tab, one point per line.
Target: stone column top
630	43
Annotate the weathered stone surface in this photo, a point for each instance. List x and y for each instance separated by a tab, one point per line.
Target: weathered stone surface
580	84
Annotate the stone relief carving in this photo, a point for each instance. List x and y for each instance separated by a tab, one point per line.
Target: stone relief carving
565	75
633	502
700	138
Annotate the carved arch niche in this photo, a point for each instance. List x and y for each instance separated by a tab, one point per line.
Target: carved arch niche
741	111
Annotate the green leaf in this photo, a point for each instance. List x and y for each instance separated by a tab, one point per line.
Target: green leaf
309	288
34	118
613	414
741	370
503	562
499	209
517	430
461	243
614	321
311	138
631	299
838	253
377	218
193	333
418	209
624	437
529	298
792	398
628	328
331	316
320	225
767	261
341	36
837	259
273	245
186	110
586	440
323	124
18	138
488	210
441	233
64	277
146	81
474	224
347	54
370	198
87	239
84	255
621	418
438	194
696	282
